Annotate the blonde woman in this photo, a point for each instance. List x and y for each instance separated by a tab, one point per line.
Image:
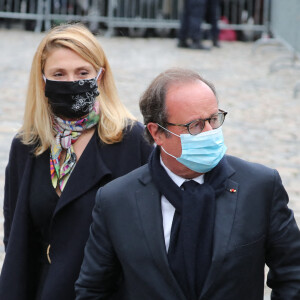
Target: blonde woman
76	137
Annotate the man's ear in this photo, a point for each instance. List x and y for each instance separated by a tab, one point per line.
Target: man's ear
156	133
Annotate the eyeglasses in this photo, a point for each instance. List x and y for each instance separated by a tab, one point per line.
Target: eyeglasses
195	127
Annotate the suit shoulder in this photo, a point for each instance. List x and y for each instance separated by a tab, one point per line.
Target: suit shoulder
17	143
19	149
133	176
250	169
242	163
134	131
127	182
134	138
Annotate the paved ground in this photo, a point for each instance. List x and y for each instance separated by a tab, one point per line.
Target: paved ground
263	117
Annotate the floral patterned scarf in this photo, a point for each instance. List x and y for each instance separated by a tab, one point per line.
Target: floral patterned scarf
67	133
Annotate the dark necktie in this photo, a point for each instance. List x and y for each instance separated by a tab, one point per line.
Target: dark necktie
190	185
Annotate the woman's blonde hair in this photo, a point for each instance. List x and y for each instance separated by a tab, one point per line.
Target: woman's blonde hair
37	126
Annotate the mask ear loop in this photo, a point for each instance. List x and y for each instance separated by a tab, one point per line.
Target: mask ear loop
168	152
100	73
44	77
99	76
162	146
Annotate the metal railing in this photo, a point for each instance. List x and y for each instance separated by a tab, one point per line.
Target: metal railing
22	10
112	14
284	27
285	22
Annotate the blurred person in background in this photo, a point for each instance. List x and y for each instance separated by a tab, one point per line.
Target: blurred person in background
190	34
213	16
76	136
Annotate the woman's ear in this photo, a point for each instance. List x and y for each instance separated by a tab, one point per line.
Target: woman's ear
156	133
100	75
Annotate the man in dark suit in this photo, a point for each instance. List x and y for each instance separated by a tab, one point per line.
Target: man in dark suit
193	13
213	16
193	223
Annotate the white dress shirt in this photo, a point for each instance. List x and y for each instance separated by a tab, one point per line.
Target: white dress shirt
167	208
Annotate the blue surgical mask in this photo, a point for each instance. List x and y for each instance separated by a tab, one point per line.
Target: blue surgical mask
201	152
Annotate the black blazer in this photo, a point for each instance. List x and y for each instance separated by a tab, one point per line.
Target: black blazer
253	226
98	164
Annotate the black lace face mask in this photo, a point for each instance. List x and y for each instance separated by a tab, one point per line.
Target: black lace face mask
72	99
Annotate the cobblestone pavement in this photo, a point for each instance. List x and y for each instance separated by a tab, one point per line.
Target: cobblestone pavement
263	117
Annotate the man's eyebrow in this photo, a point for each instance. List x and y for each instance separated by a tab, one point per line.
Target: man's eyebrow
214	113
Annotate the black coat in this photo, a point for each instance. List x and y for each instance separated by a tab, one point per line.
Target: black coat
253	227
99	164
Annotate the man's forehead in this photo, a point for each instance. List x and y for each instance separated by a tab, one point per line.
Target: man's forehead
190	103
188	91
181	85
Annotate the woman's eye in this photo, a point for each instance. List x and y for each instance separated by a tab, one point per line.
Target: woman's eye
84	73
58	74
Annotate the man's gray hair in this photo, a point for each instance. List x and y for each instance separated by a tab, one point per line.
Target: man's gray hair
152	102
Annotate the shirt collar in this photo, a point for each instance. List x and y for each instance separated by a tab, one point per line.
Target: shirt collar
180	180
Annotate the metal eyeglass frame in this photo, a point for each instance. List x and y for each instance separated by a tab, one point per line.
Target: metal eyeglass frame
187	125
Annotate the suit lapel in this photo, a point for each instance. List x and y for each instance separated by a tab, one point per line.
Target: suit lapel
149	206
225	213
88	172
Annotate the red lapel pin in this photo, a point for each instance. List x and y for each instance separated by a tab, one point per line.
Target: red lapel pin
232	191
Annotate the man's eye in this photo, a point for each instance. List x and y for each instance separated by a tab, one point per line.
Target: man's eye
196	124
